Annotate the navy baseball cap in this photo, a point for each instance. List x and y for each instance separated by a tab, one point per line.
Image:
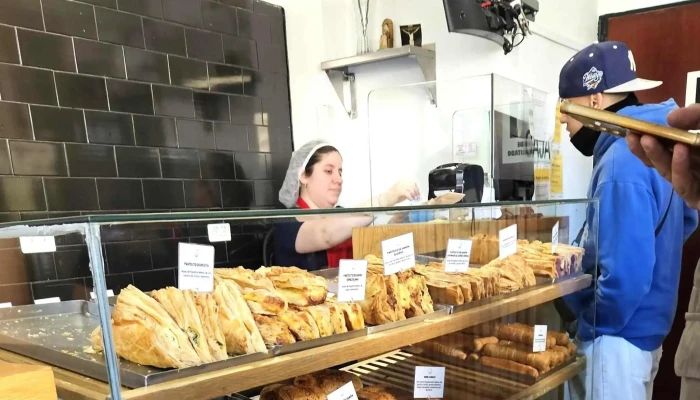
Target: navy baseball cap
606	67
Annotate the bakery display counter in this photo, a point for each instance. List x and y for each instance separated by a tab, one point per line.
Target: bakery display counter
211	384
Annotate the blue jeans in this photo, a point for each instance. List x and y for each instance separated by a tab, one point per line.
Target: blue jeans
615	369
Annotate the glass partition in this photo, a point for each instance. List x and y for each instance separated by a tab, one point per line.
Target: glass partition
424	286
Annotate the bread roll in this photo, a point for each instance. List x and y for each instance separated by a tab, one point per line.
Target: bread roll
509	366
328	380
540	361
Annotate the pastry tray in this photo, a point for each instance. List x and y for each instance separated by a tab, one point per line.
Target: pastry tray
59	334
526	379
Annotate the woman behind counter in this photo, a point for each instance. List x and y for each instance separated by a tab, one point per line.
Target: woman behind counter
314	180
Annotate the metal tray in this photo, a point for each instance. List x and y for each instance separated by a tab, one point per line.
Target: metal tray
59	334
310	344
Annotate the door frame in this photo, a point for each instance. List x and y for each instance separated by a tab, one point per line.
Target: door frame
603	20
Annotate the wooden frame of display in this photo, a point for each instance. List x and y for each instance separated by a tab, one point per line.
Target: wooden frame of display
72	386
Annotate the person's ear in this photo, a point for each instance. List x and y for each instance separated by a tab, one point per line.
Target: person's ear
596	101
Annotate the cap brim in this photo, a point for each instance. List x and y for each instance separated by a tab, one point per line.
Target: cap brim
635	85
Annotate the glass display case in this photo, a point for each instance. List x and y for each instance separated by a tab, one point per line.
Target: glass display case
437	301
495	132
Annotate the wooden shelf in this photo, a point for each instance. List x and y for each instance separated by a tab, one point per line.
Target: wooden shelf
219	383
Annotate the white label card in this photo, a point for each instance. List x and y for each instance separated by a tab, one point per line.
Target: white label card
540	342
346	392
398	253
48	300
110	293
508	241
458	255
219	232
37	244
352	278
5	305
195	267
429	383
555	237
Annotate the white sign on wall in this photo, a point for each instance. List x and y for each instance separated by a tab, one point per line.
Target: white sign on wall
692	89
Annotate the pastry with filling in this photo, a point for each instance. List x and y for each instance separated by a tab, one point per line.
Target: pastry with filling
180	305
301	324
337	317
352	313
273	331
296	286
322	316
258	291
209	316
236	321
144	333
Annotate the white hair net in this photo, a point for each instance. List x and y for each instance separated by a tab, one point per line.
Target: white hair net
289	193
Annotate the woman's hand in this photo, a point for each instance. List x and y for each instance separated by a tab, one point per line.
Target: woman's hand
402	190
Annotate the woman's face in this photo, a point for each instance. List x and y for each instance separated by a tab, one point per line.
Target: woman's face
325	183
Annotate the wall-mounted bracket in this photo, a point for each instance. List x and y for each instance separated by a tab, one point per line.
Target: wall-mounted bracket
343	80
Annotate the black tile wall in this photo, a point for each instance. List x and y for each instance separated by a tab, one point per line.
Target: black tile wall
91	160
109	128
38	158
79	91
138	162
130	97
202	45
180	163
146	66
14	88
118	27
70	18
150	8
100	59
137	106
164	37
46	50
14	121
155	131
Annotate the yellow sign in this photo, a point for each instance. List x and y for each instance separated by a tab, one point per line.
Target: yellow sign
541	175
557	180
557	126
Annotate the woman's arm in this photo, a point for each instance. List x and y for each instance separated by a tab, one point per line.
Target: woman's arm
322	234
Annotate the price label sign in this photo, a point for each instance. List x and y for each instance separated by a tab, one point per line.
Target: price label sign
5	305
429	383
398	253
219	232
37	244
195	267
508	241
458	255
48	300
346	392
540	342
352	279
110	293
555	237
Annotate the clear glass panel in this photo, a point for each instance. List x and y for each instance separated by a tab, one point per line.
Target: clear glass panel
143	250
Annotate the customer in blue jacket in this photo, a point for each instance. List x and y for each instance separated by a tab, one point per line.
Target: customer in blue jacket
641	227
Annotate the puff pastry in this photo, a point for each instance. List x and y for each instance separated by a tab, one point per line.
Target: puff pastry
352	313
258	290
180	305
273	331
322	316
209	316
236	321
297	286
301	324
146	334
337	316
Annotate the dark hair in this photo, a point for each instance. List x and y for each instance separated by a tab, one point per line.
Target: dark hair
316	158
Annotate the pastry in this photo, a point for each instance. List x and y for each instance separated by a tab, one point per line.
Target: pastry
540	361
352	312
509	366
181	307
144	333
209	316
381	392
520	333
291	392
301	324
297	286
236	321
328	380
258	290
322	316
274	332
337	316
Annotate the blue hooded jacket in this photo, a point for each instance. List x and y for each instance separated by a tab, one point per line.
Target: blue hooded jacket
637	289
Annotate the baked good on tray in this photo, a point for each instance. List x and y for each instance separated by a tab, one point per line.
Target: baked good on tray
209	315
296	286
273	331
383	392
236	321
328	380
291	392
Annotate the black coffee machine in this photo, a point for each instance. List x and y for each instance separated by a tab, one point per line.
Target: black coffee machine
457	178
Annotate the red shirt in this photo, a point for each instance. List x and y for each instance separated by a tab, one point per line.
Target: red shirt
336	253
